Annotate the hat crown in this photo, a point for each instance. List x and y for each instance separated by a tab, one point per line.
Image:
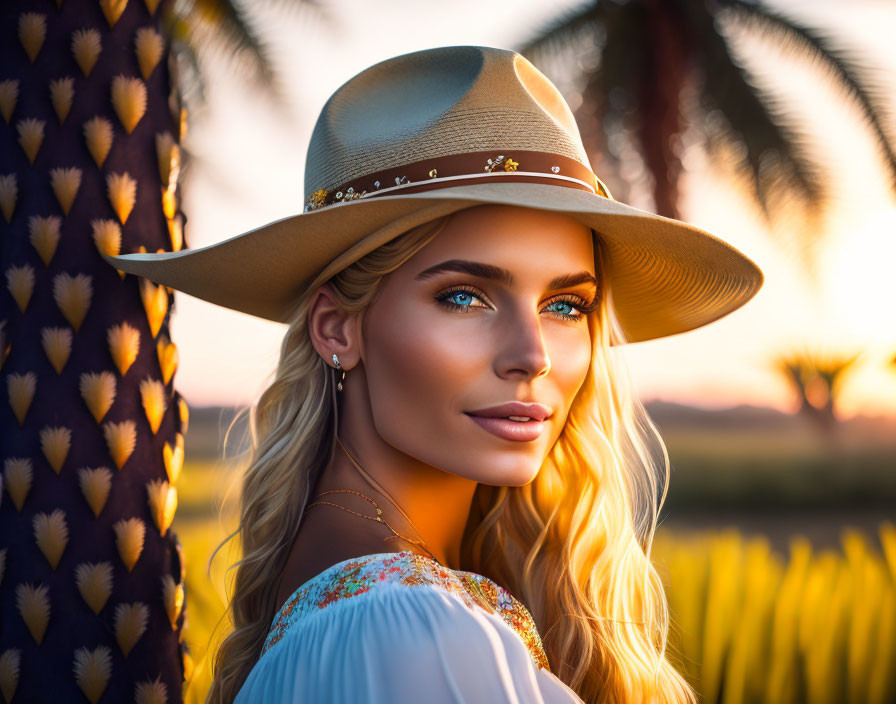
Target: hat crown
434	103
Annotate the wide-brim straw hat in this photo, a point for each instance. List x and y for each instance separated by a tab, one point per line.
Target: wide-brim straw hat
432	132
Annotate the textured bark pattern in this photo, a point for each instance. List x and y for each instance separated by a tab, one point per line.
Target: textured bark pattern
82	653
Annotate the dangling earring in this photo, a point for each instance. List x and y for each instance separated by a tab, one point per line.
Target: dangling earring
339	366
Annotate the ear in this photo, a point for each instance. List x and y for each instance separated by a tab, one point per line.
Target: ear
333	329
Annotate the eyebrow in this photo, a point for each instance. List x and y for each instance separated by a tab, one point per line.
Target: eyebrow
496	273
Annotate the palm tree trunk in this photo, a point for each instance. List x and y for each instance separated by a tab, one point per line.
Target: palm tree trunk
91	428
666	66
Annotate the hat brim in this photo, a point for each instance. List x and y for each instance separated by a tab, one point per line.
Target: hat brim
665	276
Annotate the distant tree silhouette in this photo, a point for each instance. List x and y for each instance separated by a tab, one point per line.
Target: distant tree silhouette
817	379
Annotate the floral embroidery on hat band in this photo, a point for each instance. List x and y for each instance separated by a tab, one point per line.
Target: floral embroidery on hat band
457	169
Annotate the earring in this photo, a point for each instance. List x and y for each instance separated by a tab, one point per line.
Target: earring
339	366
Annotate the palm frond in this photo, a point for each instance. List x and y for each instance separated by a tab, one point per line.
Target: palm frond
225	28
758	122
559	34
850	72
609	95
229	29
187	75
322	10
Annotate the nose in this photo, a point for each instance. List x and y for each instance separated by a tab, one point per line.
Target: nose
523	353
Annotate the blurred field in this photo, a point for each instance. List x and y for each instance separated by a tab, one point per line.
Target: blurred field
752	625
206	515
777	548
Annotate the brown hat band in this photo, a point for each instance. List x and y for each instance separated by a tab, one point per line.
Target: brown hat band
464	169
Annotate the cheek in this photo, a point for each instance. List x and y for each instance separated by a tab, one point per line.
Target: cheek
570	354
417	372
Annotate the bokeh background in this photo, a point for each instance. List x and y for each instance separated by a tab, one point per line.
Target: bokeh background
770	125
777	535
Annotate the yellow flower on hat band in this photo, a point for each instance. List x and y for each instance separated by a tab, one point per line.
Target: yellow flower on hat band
316	199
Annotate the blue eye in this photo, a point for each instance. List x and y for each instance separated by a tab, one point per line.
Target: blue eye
461	299
564	304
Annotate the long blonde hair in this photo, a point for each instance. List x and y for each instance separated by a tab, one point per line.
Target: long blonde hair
573	544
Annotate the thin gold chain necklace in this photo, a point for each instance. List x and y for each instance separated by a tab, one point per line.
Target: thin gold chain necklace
379	513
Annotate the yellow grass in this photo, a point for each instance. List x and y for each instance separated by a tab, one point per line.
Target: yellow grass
207	513
748	625
751	626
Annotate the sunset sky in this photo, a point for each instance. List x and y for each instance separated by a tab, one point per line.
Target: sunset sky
255	164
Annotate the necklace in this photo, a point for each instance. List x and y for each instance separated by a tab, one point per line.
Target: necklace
379	513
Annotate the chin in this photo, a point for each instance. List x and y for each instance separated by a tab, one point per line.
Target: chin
513	471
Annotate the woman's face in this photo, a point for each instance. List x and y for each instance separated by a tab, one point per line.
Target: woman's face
492	311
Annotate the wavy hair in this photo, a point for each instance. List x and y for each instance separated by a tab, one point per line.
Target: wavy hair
584	525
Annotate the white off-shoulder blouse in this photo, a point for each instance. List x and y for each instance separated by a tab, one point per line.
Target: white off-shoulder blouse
400	627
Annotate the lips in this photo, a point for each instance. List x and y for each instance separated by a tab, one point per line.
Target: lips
519	409
505	421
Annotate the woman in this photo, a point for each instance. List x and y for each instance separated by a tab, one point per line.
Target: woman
453	492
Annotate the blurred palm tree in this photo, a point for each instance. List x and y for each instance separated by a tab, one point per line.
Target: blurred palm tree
648	70
817	379
94	100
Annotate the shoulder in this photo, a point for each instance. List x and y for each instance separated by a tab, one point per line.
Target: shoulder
344	584
351	578
382	641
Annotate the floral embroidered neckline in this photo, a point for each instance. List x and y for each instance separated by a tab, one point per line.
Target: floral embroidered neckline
355	576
